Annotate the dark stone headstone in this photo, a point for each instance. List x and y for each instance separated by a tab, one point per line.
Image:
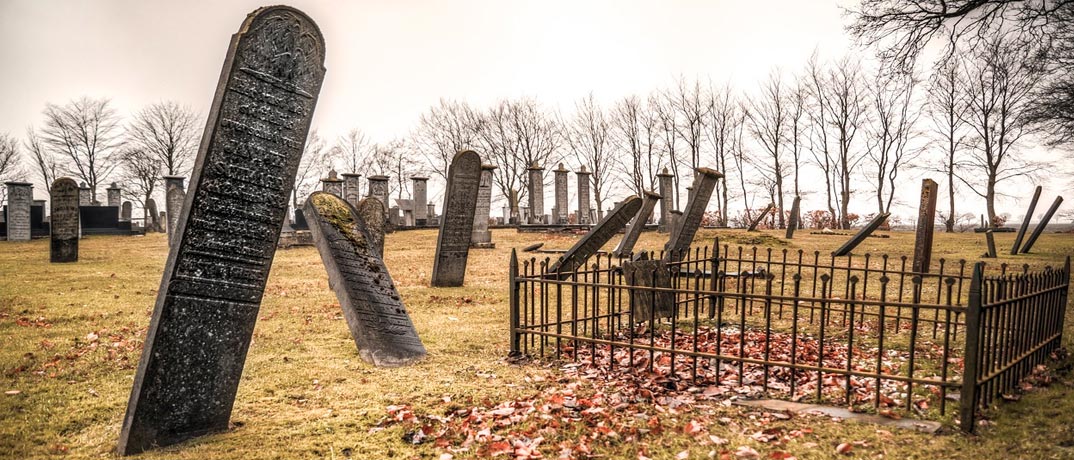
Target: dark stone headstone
926	226
760	217
375	313
460	200
101	220
352	188
378	187
647	304
667	189
686	228
152	221
371	211
20	197
862	234
114	195
1039	229
559	214
85	195
536	194
63	246
634	228
583	197
1025	221
421	200
125	211
216	272
174	195
792	223
613	222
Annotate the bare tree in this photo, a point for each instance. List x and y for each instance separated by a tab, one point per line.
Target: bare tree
689	104
84	131
819	142
797	126
396	160
739	154
143	170
169	132
999	85
889	132
667	123
316	162
443	131
354	150
945	106
634	130
767	115
588	137
517	134
724	115
45	163
841	98
9	159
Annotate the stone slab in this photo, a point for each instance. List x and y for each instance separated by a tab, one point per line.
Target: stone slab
613	222
460	201
63	245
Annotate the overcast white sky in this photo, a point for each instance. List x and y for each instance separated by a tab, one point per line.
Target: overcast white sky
388	61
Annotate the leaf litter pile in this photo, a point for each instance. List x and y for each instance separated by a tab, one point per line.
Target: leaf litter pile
607	397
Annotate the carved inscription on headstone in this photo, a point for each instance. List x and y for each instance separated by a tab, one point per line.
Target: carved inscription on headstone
648	304
63	246
371	211
536	194
457	224
686	227
20	195
634	228
215	275
421	200
560	213
583	197
375	313
352	188
613	222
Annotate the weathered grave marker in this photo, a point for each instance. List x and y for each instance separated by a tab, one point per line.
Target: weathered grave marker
85	195
1039	229
421	201
1025	221
63	246
114	195
667	204
215	275
990	239
152	221
559	214
686	227
536	194
20	195
481	237
644	275
175	194
352	188
926	225
792	224
460	200
862	234
634	228
584	215
378	187
371	210
589	244
375	313
760	217
125	211
332	184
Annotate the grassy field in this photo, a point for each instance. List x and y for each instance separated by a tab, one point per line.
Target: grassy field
72	338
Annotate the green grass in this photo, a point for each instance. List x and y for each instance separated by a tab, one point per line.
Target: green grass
72	337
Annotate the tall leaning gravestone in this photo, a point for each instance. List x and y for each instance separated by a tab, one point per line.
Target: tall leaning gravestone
227	232
460	200
375	314
63	245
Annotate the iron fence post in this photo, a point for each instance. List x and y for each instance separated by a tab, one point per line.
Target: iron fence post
969	396
516	333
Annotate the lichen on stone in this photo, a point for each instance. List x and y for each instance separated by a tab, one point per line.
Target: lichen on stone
336	212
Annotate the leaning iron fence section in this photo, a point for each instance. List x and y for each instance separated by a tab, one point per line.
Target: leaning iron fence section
857	330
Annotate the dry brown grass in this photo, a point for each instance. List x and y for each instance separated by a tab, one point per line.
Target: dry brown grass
306	394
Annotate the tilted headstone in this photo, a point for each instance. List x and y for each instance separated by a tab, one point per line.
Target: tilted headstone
421	200
1039	229
216	272
125	211
85	195
352	188
371	211
378	187
332	184
63	246
792	223
1025	221
20	196
152	221
460	200
862	234
666	183
990	239
115	195
613	222
561	211
375	313
686	227
760	217
926	226
647	304
174	196
636	225
536	193
481	236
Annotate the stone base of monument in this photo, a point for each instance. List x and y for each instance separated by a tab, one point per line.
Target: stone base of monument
296	238
483	245
995	230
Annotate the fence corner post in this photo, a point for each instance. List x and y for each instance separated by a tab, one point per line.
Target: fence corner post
516	334
1063	300
969	397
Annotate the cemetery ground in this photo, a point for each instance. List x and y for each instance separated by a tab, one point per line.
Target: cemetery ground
72	336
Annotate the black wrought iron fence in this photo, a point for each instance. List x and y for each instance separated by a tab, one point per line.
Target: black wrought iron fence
858	330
